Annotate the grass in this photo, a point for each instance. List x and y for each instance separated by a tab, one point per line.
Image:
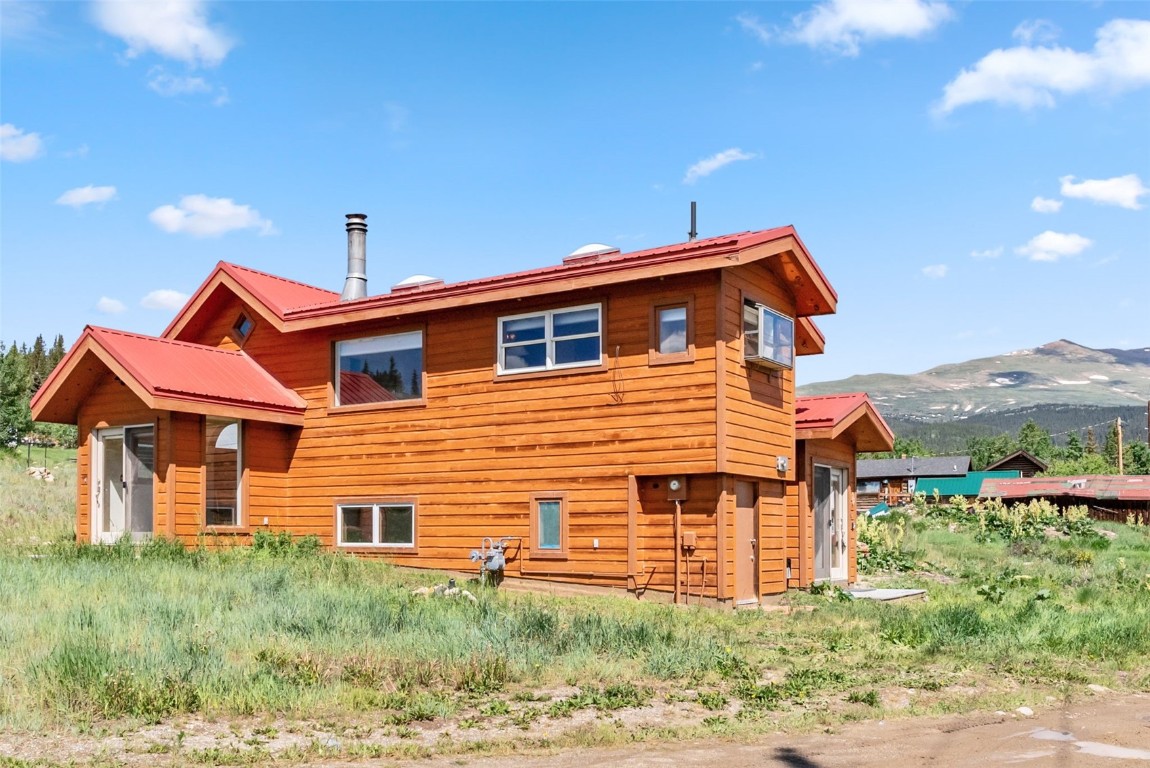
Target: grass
92	635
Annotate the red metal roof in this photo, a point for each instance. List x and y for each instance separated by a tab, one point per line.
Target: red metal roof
1098	487
279	293
828	416
162	371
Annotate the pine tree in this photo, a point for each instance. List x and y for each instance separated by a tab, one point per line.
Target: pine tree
1091	442
1035	440
1073	451
15	392
1110	450
415	382
56	354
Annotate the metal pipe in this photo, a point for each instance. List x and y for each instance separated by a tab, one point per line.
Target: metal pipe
355	286
677	546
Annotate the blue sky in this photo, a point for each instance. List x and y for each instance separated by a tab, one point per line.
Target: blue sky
972	177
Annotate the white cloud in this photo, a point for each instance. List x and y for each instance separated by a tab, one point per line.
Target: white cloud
752	24
1045	205
167	84
989	253
936	271
164	298
1052	246
1036	31
21	20
1122	191
842	25
175	29
16	146
109	306
1030	77
709	165
81	196
80	151
203	216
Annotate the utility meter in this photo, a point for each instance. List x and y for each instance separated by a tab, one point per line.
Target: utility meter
677	488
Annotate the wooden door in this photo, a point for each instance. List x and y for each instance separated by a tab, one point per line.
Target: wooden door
746	543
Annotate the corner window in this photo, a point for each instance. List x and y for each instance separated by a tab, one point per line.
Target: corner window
672	336
379	369
768	337
223	471
376	524
549	525
544	341
243	327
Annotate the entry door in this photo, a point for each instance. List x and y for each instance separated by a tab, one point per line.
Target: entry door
746	543
830	523
122	492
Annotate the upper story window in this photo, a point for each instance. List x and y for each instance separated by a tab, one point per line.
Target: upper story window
672	336
544	341
243	327
379	369
768	337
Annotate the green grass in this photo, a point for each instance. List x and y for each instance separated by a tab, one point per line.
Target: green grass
95	634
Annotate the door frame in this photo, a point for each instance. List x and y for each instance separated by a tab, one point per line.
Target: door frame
96	503
747	577
837	522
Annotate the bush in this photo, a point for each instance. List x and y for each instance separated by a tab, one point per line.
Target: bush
884	539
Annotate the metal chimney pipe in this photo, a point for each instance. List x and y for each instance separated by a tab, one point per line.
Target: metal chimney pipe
692	234
355	287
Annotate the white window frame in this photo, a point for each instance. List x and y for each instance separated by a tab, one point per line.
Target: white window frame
549	339
376	526
765	354
237	511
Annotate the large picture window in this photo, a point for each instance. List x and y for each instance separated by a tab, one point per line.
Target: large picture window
544	341
379	369
223	471
378	524
768	337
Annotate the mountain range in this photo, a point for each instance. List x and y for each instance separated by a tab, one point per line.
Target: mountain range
1062	385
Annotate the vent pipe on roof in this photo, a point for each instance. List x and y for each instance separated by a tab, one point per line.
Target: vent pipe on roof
692	234
355	286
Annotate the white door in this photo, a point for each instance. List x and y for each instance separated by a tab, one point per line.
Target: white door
831	529
122	491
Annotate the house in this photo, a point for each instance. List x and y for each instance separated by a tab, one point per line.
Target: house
1024	462
619	420
1108	497
894	481
821	512
968	486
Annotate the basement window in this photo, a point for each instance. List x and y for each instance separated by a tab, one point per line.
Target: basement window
376	524
379	369
556	339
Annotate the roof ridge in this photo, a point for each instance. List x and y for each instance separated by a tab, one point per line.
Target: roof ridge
162	340
281	278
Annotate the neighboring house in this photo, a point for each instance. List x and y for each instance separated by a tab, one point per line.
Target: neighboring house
1108	497
829	431
968	486
894	481
1024	462
619	420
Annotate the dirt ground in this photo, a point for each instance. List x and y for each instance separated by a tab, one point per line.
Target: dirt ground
1109	730
1106	731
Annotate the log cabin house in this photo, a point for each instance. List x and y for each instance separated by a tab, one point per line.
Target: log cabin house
623	421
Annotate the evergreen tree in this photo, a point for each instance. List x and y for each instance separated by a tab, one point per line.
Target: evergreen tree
38	363
415	382
1110	449
1091	442
986	450
1137	459
1073	450
56	354
15	392
1035	440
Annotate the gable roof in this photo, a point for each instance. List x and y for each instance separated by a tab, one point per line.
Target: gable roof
914	466
1024	457
293	306
1097	487
827	417
166	375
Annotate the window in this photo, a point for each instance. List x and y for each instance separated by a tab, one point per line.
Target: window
768	337
223	471
672	336
377	524
549	525
544	341
243	327
380	369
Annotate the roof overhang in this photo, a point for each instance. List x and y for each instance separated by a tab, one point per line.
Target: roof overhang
863	424
214	290
60	397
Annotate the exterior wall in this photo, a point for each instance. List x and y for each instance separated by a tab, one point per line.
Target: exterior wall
800	508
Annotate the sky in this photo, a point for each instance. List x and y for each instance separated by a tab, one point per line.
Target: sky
972	177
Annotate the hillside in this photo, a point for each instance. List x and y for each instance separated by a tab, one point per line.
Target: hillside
1059	373
1063	386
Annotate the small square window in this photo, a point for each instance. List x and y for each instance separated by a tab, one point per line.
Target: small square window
243	327
672	335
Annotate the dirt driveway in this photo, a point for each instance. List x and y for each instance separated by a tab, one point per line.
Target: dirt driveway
1103	732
